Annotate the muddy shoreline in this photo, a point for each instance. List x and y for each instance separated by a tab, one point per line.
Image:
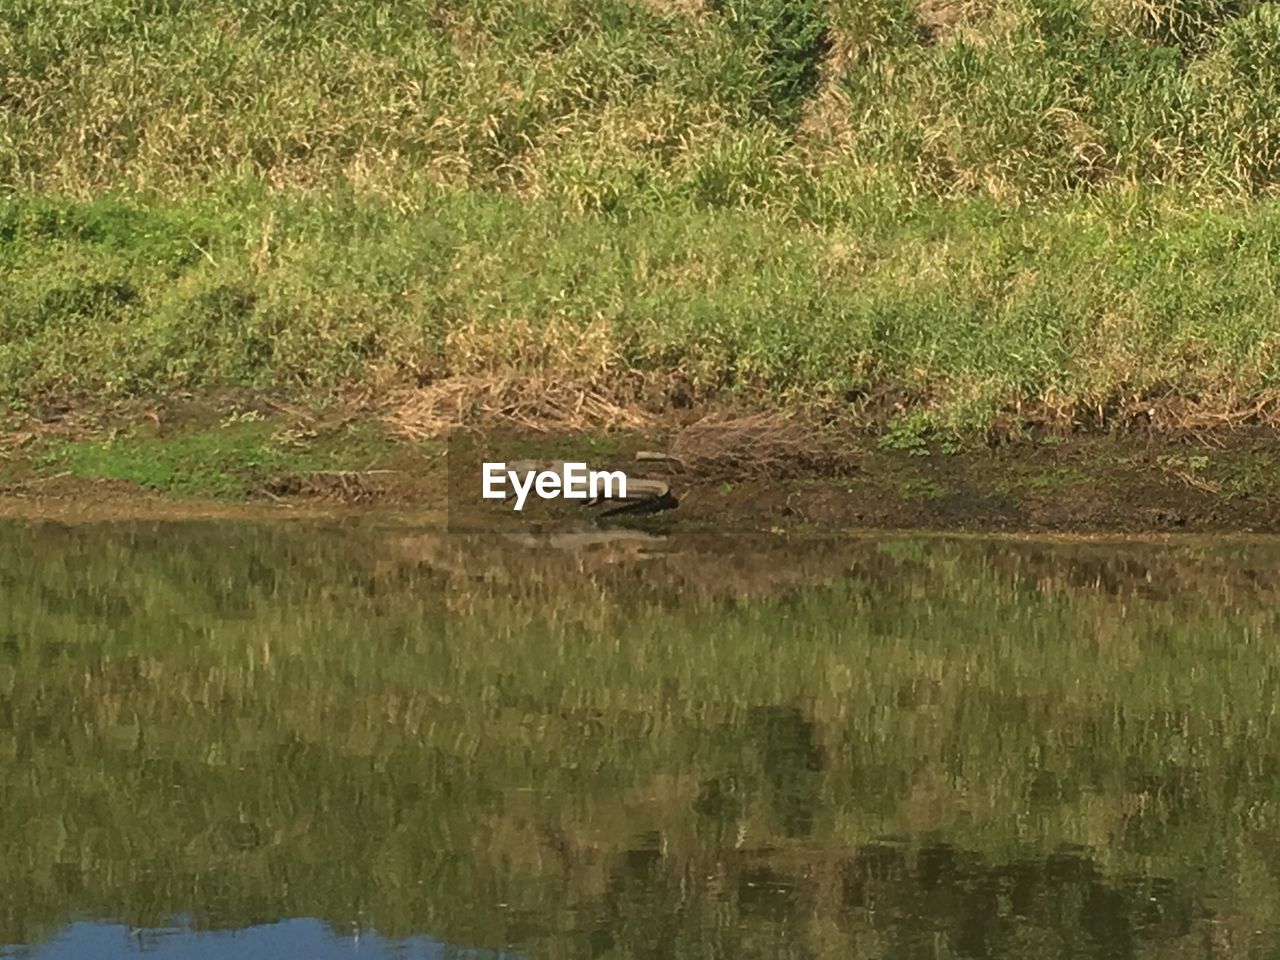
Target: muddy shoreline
271	461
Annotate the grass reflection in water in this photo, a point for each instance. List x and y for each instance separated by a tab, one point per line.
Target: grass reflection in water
643	747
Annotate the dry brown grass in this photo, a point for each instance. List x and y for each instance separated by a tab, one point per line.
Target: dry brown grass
686	8
716	446
342	486
530	403
1189	22
1180	414
939	19
770	444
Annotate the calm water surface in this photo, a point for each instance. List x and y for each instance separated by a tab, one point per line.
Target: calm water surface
232	741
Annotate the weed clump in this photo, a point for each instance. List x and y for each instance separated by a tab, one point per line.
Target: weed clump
788	40
1189	24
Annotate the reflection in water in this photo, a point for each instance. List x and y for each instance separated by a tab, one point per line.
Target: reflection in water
301	938
638	747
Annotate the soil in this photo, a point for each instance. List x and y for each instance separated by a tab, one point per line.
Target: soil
1083	485
1129	483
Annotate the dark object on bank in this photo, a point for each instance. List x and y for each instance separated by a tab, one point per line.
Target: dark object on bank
645	495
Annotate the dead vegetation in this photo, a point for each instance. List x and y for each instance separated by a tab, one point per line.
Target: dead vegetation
773	445
714	441
682	8
541	405
939	19
717	445
1177	414
341	486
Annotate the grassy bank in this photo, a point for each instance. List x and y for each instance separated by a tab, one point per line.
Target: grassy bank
947	216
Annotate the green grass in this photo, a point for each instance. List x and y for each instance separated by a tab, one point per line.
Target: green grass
221	462
1045	209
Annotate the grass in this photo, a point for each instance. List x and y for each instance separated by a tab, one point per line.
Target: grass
224	461
947	216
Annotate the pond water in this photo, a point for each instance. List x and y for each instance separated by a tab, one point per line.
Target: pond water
225	740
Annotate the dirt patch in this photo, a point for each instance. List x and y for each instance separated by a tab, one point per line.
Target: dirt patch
1136	484
340	486
86	502
1090	485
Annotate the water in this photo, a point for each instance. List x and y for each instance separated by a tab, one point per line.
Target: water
231	741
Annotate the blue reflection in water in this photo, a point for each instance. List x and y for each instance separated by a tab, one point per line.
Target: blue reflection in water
300	939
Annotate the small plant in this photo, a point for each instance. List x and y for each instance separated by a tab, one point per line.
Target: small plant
1189	470
910	433
242	416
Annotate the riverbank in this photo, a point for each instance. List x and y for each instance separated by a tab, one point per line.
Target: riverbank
958	322
955	224
244	456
